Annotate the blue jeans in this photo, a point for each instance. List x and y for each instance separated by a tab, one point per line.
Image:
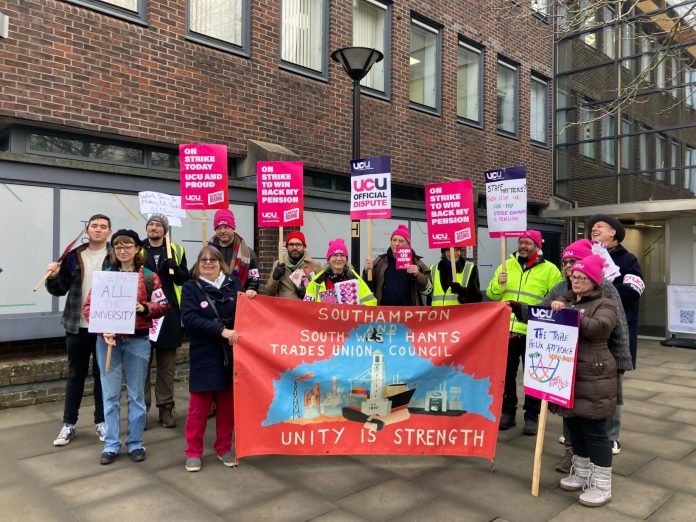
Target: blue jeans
130	355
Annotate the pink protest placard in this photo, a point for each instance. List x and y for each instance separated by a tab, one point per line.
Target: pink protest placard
280	193
203	169
403	258
450	210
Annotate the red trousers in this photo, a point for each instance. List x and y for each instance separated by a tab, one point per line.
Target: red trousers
199	407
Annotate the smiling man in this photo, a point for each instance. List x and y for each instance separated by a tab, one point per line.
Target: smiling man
526	277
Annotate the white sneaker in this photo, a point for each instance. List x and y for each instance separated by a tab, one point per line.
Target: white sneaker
67	432
561	439
615	447
100	430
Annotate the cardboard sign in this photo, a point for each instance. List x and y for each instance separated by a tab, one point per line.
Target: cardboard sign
450	211
506	201
551	354
280	193
158	203
370	188
203	176
403	258
112	305
322	379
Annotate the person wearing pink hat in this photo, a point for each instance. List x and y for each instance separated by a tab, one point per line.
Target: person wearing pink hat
290	278
618	341
526	277
235	252
595	387
393	287
338	282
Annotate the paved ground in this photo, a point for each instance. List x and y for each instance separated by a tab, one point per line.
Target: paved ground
654	477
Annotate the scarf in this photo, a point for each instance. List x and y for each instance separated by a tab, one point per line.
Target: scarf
241	258
218	280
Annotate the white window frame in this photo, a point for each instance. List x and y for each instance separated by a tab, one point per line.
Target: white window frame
378	80
533	118
476	82
515	97
420	26
213	39
318	66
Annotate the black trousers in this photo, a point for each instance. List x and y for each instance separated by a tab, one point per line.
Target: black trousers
532	405
80	347
590	439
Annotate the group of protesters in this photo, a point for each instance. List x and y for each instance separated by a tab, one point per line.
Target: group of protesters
204	299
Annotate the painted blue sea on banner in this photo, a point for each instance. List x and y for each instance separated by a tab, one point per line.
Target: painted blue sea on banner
377	356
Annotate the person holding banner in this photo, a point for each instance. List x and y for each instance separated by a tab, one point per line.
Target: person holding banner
208	305
629	283
618	341
73	276
596	384
466	289
338	282
393	286
526	277
168	261
235	252
291	278
130	354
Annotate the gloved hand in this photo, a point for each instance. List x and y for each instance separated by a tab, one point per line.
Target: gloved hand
457	289
300	292
170	263
278	272
516	309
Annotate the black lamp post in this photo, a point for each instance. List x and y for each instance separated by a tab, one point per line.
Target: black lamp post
357	62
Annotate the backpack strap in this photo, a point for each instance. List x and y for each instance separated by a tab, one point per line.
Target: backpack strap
149	280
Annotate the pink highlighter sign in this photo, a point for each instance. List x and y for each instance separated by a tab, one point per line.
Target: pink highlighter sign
403	258
280	193
203	176
450	211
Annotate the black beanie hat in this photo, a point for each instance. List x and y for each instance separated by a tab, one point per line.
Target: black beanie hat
609	220
126	232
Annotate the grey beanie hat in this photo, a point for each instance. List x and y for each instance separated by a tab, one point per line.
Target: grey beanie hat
161	218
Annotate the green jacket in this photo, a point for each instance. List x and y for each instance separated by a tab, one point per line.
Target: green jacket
528	286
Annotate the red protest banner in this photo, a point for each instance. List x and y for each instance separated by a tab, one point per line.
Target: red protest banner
323	379
450	211
203	170
280	193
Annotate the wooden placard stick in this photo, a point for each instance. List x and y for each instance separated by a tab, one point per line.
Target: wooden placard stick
536	472
503	255
280	245
453	262
168	241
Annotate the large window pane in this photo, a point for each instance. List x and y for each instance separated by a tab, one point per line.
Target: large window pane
587	131
644	150
628	41
219	19
608	42
608	144
507	98
303	41
690	169
626	145
424	65
674	162
369	30
85	149
538	118
660	153
469	66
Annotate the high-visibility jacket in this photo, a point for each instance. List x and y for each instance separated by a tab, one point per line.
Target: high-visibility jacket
528	286
315	289
178	253
445	297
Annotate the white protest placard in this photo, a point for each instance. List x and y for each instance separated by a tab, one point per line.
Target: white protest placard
157	297
112	307
551	355
681	308
370	192
158	203
610	271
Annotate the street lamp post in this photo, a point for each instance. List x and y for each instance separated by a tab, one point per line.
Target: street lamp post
357	62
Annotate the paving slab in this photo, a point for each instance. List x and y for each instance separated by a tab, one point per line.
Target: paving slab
656	444
289	506
339	515
635	498
580	513
674	400
404	466
679	507
685	416
648	408
648	424
444	509
659	387
111	484
668	474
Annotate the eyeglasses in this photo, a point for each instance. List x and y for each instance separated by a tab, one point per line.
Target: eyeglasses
123	248
208	260
295	245
570	262
579	279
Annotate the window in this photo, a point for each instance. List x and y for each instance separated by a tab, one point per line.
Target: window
303	37
608	126
587	130
660	153
626	142
589	21
85	149
628	37
539	115
563	100
660	73
690	89
469	82
674	81
541	7
370	29
643	150
164	160
690	169
507	89
608	41
220	23
674	163
424	70
646	59
131	10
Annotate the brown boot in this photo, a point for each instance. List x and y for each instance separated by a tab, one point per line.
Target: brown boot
167	416
563	464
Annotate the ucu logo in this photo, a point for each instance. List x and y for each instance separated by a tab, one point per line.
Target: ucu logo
494	175
364	185
268	215
193	197
361	165
440	236
540	313
579	266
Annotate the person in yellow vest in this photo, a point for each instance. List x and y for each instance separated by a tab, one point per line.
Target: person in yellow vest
526	277
466	288
157	260
326	287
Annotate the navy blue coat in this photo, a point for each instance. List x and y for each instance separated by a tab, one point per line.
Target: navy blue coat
208	350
